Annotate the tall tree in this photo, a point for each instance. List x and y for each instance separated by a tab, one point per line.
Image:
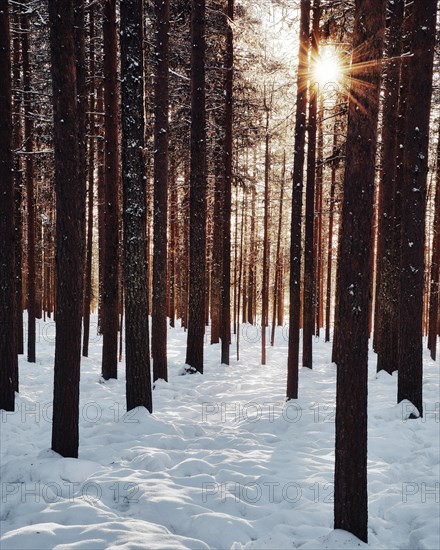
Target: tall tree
91	181
161	108
415	169
297	192
228	120
70	208
111	195
435	266
138	377
309	298
8	346
350	504
197	246
18	178
30	191
386	306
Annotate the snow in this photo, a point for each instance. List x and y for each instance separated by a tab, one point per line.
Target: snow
222	463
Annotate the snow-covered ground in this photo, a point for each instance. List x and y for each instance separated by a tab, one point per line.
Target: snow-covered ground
223	463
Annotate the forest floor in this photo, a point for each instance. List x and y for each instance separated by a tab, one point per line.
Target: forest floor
222	463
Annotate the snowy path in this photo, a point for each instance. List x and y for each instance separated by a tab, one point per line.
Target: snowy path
222	463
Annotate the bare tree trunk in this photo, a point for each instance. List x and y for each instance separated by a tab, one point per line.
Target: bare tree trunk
101	204
435	266
197	247
252	280
278	265
70	204
334	166
18	185
8	342
226	278
350	505
309	299
173	245
296	216
384	316
137	348
30	198
415	168
90	201
161	101
266	252
111	217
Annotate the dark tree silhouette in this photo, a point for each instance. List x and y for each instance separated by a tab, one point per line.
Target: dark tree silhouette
70	207
225	330
386	305
8	346
110	303
138	378
161	107
309	271
350	504
415	170
197	246
297	192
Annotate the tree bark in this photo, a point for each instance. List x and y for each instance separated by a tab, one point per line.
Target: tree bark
350	504
8	342
161	106
296	215
137	349
197	246
90	191
415	169
435	266
70	208
110	302
309	267
226	277
30	198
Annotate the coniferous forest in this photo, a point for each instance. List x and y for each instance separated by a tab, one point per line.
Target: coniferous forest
219	274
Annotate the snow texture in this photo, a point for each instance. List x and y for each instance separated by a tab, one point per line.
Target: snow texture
222	463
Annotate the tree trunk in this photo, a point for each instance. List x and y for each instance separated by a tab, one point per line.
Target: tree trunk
110	300
278	261
90	201
8	342
435	266
266	252
30	199
309	268
415	169
161	106
296	216
350	505
197	266
137	349
384	315
226	278
70	205
18	184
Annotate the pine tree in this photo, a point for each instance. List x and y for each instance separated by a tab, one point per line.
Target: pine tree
197	268
415	169
386	318
137	347
8	346
110	301
297	192
309	271
70	205
350	504
161	130
228	121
